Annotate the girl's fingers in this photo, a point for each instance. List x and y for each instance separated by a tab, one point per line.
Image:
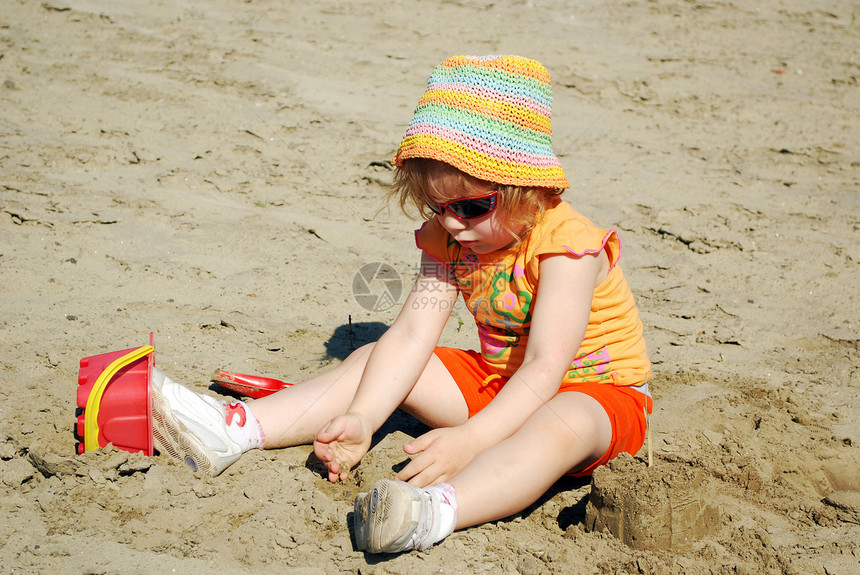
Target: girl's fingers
413	468
336	469
419	444
329	433
427	477
322	451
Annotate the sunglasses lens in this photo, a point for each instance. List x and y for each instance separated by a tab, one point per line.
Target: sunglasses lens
467	209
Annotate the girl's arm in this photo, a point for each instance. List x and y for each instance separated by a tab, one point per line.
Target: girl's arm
402	353
393	368
559	321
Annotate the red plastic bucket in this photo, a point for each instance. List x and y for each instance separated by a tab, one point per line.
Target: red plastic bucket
114	397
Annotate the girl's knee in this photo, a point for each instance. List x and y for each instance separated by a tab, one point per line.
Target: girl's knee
580	423
361	354
365	349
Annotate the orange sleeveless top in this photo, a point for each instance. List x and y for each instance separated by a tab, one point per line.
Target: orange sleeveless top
499	290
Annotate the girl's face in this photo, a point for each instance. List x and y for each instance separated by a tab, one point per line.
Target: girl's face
483	234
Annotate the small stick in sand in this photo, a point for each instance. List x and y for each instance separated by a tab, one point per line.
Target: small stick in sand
648	436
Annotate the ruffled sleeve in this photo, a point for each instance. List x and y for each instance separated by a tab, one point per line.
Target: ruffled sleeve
565	231
436	242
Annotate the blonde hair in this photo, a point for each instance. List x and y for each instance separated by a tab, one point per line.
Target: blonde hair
517	207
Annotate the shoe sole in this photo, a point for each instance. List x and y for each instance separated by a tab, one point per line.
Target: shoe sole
171	437
386	517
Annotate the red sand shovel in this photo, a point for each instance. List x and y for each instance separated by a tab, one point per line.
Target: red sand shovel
253	386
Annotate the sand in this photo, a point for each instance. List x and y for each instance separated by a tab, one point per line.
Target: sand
213	171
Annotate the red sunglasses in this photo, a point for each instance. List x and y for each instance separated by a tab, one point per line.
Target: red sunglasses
467	208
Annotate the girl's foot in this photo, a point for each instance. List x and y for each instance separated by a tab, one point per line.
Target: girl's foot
193	428
396	517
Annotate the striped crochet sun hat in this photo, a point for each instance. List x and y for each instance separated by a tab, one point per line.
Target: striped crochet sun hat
488	116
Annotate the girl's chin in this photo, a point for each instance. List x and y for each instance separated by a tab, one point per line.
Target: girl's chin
476	247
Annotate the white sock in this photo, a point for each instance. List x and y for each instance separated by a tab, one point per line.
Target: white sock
243	427
444	505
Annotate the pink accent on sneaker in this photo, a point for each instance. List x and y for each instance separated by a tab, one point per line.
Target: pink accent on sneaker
262	434
237	410
449	494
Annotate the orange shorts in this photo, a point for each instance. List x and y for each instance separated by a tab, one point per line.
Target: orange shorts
625	407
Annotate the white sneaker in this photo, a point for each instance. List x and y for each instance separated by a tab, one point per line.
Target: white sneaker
190	427
397	517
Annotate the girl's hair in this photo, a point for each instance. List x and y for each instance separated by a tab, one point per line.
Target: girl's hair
517	207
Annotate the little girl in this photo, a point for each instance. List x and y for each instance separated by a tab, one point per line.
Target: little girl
560	383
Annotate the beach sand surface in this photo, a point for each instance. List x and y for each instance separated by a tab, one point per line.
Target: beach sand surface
214	172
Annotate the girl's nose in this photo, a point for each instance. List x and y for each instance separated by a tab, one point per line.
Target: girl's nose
451	222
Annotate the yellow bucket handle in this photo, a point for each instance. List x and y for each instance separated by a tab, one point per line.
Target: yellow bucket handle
91	425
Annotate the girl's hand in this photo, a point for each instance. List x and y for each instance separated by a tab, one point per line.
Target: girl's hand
438	455
342	443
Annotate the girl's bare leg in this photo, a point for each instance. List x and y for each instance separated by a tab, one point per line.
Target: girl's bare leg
571	431
294	416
